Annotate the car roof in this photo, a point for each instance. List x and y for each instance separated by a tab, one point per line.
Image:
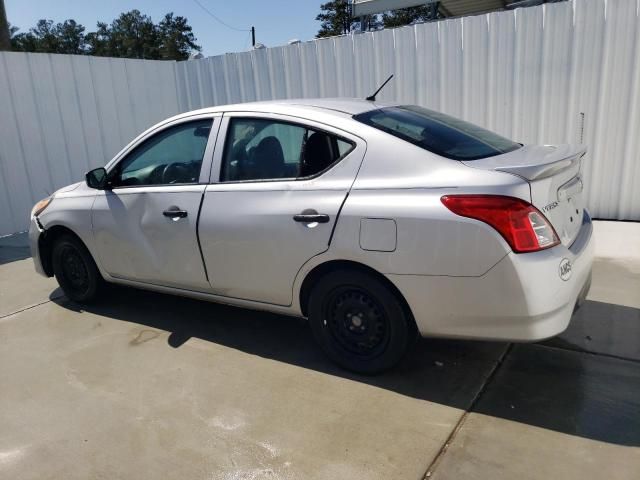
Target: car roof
338	106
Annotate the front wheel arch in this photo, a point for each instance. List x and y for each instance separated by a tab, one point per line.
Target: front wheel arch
46	242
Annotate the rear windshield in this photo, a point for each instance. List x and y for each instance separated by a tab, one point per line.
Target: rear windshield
441	134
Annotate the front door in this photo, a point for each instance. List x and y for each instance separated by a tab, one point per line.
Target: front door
145	227
280	188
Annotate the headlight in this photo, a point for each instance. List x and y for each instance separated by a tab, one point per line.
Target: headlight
39	207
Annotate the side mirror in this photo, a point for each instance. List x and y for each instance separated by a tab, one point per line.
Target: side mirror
97	178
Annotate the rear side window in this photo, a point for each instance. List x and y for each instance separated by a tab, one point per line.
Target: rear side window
263	149
438	133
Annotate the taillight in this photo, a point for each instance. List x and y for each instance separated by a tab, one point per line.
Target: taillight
521	224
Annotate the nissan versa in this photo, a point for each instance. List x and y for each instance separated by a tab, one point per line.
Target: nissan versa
375	221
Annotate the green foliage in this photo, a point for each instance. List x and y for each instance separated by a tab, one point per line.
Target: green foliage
66	37
100	43
12	35
335	19
131	35
407	16
176	38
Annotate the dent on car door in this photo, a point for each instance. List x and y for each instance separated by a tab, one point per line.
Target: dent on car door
145	226
280	187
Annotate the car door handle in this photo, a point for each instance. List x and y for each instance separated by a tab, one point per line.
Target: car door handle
311	217
174	212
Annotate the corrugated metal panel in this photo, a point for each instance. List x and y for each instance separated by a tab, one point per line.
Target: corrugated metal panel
550	74
64	114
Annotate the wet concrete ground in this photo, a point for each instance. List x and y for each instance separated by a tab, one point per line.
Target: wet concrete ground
153	386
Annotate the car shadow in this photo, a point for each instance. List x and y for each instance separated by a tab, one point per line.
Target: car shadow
434	370
542	385
603	328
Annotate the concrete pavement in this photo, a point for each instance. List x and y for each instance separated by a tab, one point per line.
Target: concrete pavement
153	386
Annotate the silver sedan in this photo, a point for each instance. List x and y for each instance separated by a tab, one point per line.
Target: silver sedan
377	222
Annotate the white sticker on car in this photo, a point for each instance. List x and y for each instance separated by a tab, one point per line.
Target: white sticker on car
565	269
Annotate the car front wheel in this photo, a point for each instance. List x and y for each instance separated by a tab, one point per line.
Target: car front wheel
75	270
359	322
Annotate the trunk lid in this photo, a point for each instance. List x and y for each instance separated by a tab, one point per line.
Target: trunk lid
553	174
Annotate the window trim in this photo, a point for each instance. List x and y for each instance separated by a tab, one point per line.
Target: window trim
225	125
207	158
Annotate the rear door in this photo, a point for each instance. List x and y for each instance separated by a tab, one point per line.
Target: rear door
277	189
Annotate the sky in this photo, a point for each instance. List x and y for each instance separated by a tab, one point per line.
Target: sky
276	21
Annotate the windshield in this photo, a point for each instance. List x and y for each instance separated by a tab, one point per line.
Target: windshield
438	133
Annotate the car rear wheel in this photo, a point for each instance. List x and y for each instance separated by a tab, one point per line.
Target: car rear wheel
359	322
75	270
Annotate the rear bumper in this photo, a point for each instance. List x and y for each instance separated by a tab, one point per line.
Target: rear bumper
35	231
522	298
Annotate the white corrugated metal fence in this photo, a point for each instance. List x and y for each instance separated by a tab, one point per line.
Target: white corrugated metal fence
62	115
558	73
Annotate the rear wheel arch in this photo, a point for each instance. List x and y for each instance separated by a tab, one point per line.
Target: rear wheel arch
333	265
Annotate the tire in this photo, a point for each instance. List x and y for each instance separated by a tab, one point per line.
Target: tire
359	322
75	270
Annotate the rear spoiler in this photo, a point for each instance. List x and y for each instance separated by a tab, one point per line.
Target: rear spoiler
548	163
535	172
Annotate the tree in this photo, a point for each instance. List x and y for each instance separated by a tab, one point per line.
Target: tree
131	35
134	35
12	35
98	42
23	42
66	37
335	17
176	38
71	38
407	16
44	37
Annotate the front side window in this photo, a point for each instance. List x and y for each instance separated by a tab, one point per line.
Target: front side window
438	133
172	156
261	149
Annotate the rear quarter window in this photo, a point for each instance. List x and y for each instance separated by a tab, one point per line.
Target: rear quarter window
438	133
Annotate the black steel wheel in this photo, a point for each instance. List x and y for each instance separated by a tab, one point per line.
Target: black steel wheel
356	320
359	322
75	269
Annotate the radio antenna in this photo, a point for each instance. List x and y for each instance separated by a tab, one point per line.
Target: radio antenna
372	98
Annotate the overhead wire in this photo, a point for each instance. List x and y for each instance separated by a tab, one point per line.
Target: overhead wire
218	19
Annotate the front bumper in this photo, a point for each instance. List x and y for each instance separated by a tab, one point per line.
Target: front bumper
522	298
35	232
